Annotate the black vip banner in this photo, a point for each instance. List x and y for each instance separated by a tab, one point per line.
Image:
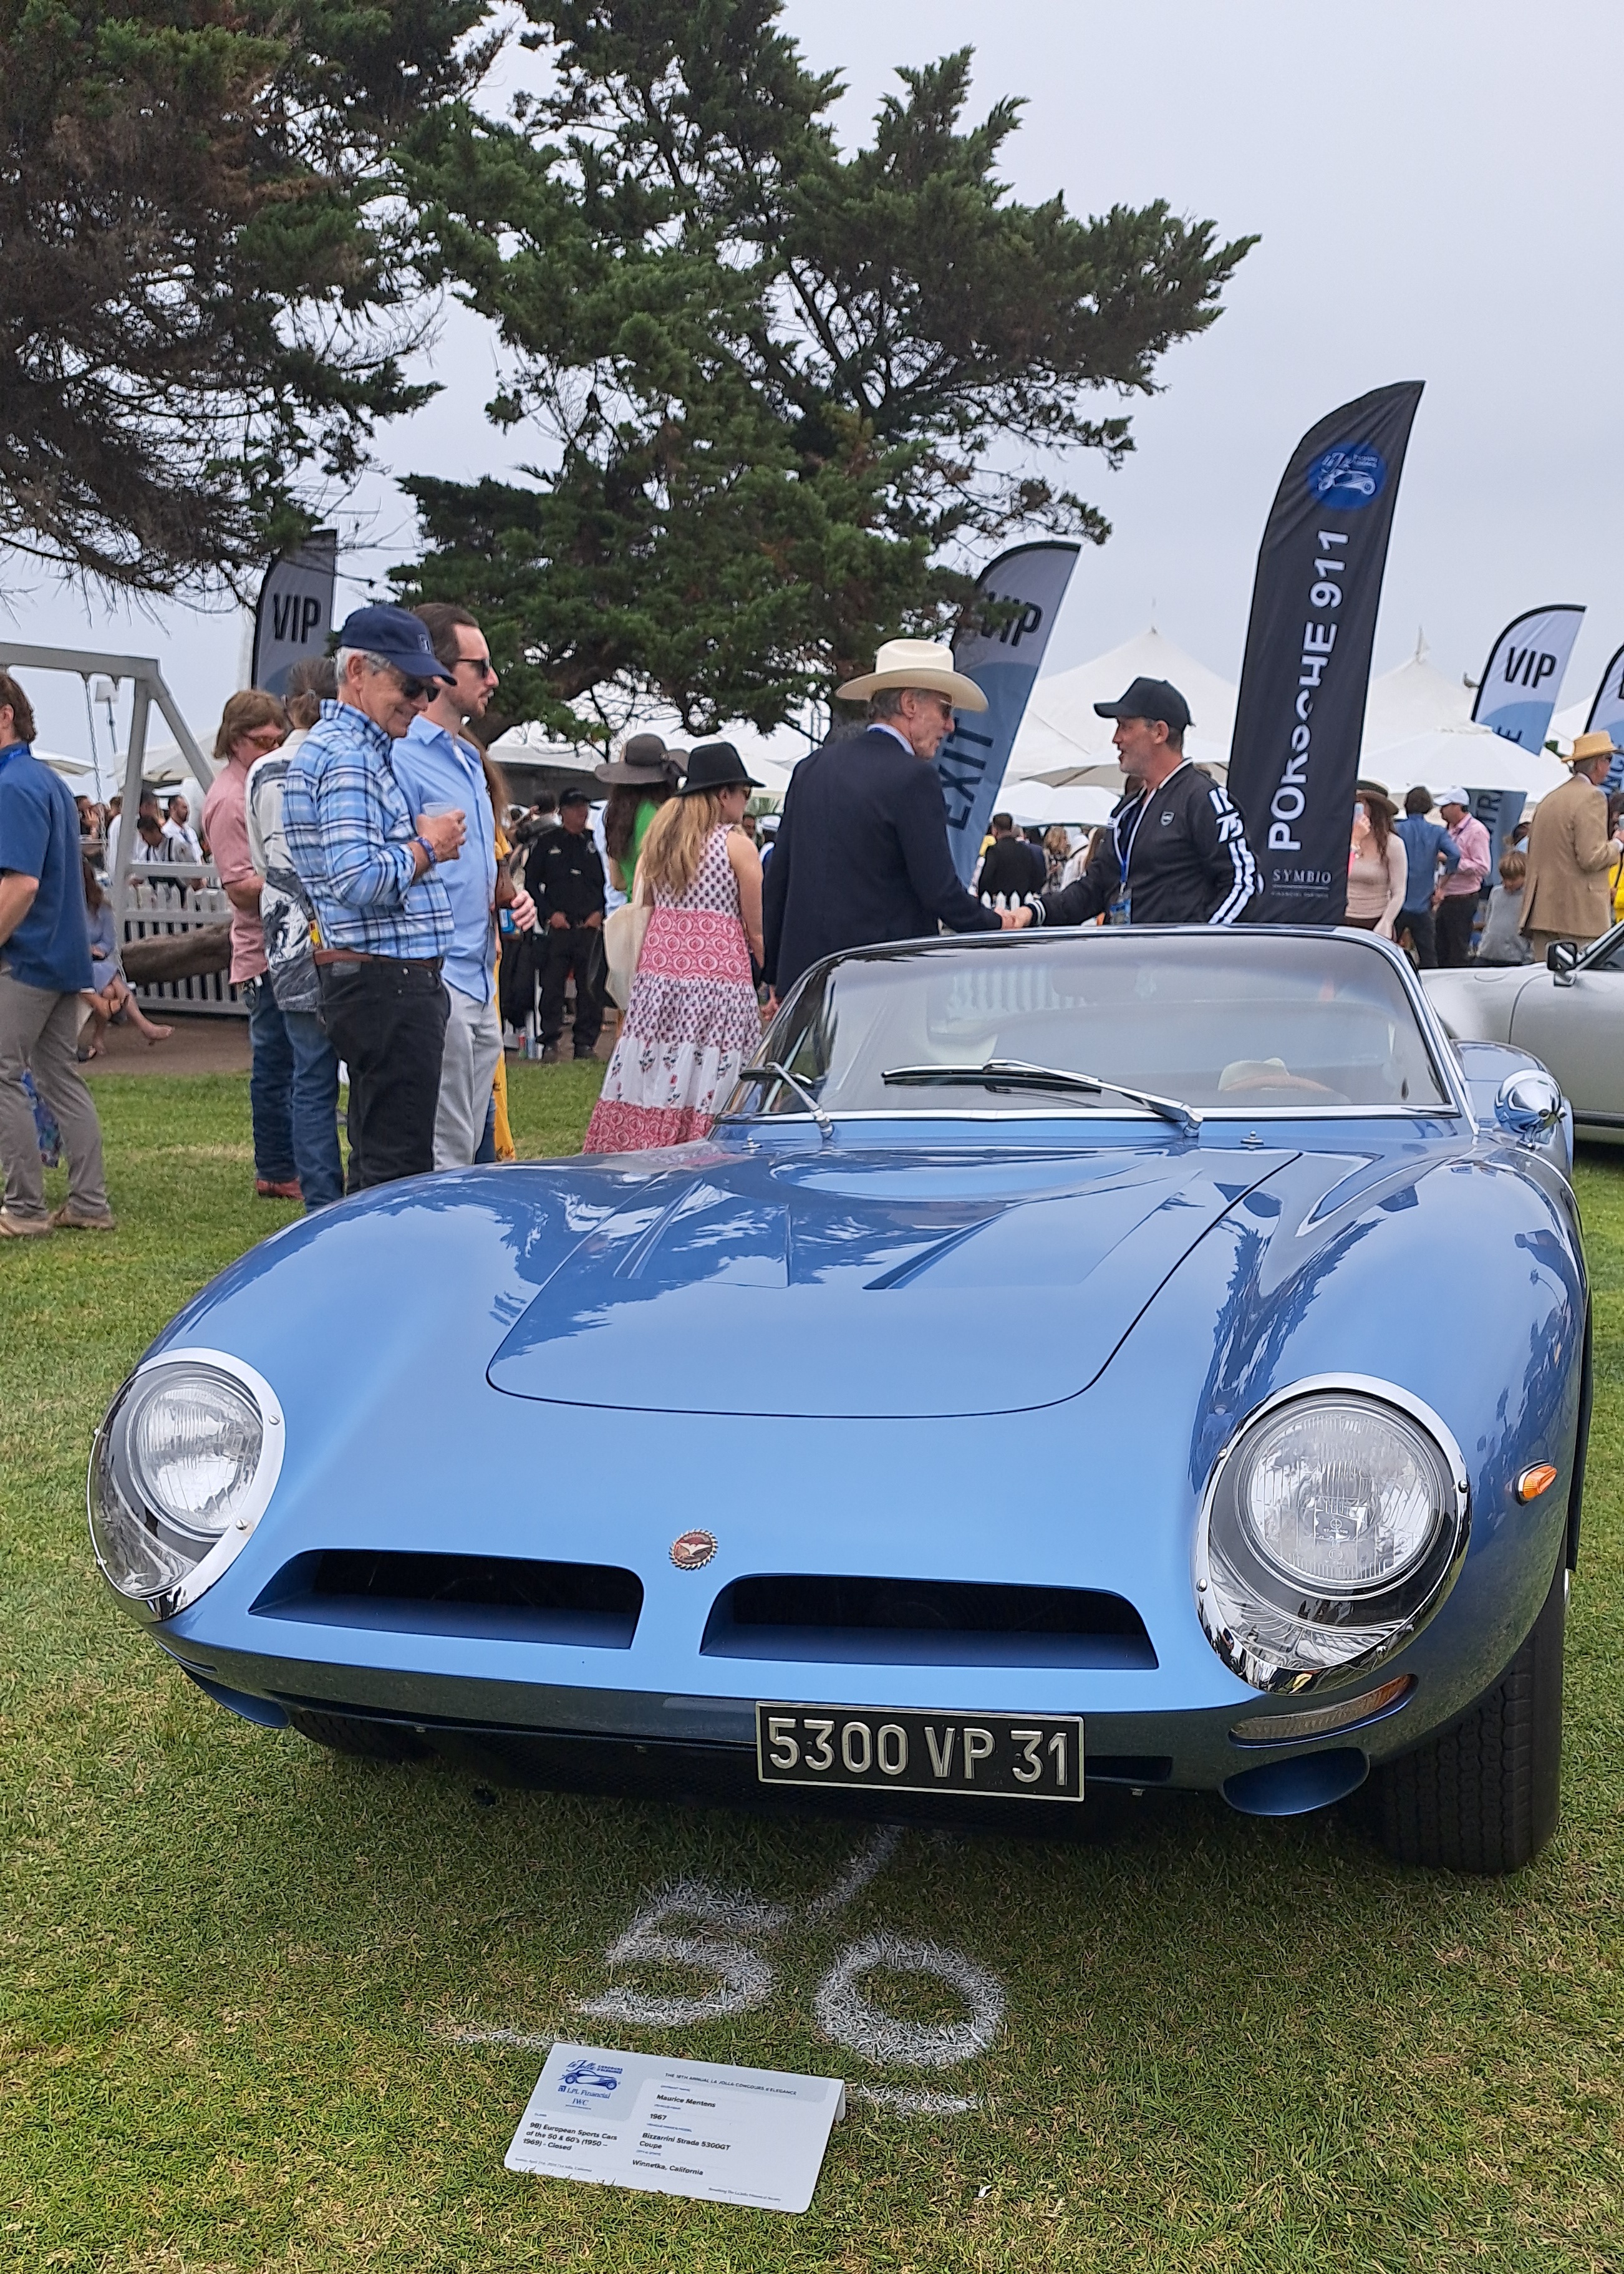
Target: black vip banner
1300	714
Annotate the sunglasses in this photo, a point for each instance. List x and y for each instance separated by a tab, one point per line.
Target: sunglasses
263	738
482	664
416	690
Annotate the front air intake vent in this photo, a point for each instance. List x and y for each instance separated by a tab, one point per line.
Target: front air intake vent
482	1598
857	1621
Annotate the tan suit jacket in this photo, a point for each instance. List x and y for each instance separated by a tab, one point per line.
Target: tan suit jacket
1569	855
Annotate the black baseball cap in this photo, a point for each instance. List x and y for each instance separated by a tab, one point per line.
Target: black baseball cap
1150	698
574	797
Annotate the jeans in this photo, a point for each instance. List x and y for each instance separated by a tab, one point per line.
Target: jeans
1457	912
315	1110
1422	936
39	1029
387	1019
270	1086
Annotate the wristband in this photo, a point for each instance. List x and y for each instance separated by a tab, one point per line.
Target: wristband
427	847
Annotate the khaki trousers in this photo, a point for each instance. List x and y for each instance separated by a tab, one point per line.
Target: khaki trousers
39	1029
1541	940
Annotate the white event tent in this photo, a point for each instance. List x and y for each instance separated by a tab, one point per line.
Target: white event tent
1064	742
1415	699
1464	756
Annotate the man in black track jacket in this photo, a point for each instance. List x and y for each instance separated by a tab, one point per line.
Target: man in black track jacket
1177	851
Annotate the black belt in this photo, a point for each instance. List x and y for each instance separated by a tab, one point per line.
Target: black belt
323	956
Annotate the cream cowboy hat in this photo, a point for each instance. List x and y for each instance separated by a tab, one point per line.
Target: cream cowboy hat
927	664
1592	746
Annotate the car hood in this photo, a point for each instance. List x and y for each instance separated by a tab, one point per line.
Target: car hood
868	1287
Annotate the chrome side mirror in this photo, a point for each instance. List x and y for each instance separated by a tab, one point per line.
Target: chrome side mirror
1529	1105
1562	961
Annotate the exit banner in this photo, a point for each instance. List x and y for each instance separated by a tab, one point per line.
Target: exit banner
1299	719
1524	674
294	614
1004	663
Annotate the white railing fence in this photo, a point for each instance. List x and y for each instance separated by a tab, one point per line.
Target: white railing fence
160	899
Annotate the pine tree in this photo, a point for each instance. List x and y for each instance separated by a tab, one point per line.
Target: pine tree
202	275
781	395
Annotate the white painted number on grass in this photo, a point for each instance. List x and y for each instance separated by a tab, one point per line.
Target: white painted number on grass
744	1979
844	2014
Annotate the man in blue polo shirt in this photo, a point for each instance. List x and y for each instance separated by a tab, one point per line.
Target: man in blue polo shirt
44	967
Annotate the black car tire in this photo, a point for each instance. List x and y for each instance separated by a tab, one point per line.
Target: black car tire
1485	1795
345	1732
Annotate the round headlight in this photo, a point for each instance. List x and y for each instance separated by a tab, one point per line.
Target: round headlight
1340	1495
182	1464
1332	1529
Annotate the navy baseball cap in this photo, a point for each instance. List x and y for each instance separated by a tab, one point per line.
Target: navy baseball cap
1150	698
396	635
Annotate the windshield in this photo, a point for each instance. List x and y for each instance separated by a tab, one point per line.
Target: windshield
1247	1020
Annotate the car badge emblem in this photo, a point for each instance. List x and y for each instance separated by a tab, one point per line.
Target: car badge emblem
691	1551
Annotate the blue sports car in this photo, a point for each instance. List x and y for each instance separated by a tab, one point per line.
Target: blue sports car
1116	1358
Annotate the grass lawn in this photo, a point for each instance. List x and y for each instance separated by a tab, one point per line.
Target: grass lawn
235	1967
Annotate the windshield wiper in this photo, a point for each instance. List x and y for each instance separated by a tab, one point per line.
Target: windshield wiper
1016	1073
774	1072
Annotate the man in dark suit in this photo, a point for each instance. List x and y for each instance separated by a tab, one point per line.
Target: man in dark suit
861	852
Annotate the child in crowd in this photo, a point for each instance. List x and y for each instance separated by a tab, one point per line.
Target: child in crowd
1503	942
111	993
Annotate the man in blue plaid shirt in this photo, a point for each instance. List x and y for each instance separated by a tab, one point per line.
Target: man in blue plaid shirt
384	918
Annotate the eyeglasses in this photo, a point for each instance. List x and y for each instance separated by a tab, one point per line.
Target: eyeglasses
263	738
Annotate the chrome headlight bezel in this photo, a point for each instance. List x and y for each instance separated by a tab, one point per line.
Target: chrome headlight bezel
1278	1635
111	1479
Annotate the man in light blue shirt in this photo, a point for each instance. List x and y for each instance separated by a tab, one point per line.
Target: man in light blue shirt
437	767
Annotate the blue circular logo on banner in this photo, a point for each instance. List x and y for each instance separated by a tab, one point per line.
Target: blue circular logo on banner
1349	475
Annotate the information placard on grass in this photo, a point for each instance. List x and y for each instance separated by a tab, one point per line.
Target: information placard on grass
674	2127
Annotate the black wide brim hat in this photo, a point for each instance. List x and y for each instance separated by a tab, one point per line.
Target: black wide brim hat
716	765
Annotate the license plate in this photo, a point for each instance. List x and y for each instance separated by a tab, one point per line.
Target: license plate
991	1756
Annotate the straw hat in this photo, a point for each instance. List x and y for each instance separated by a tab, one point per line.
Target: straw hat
927	664
1592	746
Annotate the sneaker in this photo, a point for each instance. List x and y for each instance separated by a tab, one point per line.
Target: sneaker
63	1219
23	1227
266	1190
550	1054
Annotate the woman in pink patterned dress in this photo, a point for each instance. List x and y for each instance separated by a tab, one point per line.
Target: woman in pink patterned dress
693	1018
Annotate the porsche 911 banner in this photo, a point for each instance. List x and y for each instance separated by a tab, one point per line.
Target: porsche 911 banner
1524	674
1608	714
294	614
1004	662
1300	714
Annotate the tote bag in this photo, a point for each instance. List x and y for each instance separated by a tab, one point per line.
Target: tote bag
623	937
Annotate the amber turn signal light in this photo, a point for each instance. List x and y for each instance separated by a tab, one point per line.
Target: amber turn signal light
1533	1481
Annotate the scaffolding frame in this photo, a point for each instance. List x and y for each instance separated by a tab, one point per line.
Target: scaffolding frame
150	689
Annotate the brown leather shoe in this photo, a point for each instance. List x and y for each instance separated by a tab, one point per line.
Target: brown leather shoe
23	1227
63	1219
264	1190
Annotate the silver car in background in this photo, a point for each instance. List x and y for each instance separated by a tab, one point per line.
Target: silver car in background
1570	1014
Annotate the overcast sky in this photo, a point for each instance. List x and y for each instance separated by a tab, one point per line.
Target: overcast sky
1436	187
